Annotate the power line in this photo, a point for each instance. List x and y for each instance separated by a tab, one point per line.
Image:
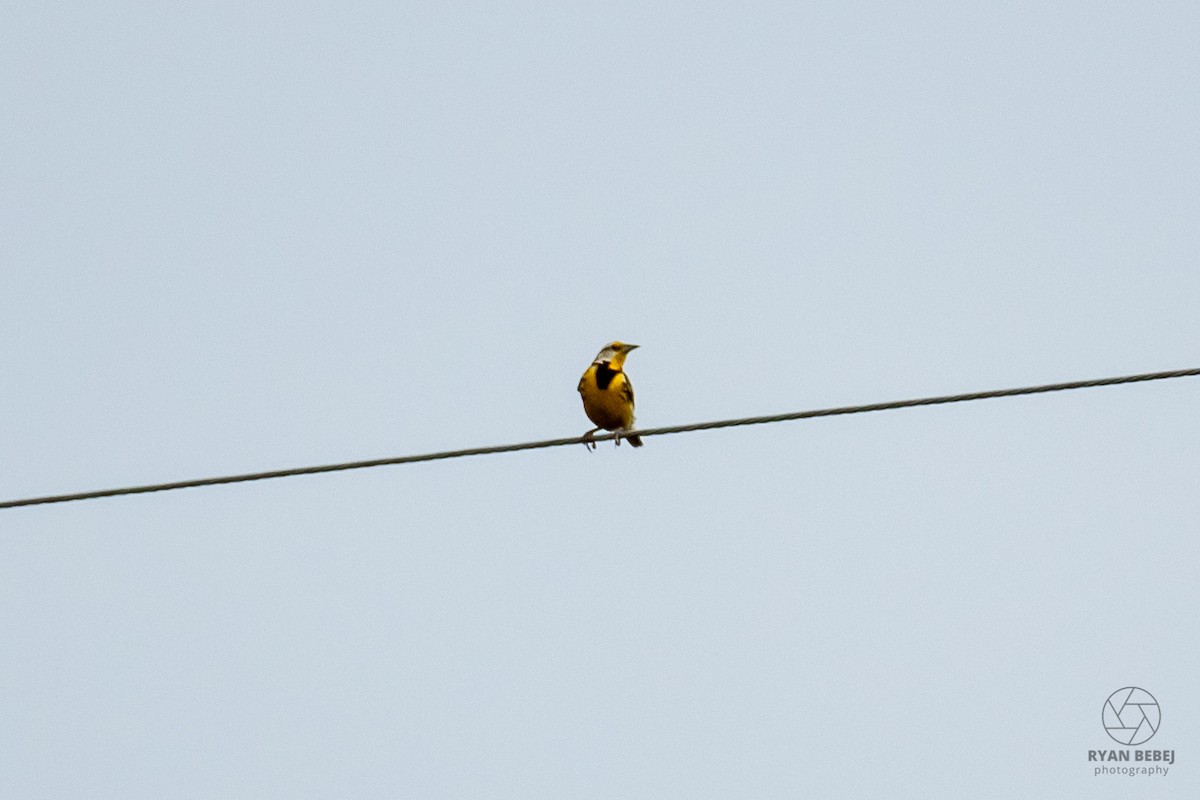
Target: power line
699	426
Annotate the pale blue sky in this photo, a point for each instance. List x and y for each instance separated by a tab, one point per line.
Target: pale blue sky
244	236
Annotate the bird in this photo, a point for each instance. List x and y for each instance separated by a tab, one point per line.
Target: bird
608	395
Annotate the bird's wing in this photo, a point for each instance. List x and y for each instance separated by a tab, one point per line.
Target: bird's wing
627	390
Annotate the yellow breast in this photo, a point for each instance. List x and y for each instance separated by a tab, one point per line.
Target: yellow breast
610	407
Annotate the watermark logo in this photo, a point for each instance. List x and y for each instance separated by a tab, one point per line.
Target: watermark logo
1131	716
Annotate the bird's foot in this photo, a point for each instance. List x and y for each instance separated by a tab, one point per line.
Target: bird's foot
589	440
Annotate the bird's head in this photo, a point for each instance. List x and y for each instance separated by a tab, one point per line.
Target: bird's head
614	353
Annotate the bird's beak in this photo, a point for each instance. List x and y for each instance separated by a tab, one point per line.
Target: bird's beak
629	347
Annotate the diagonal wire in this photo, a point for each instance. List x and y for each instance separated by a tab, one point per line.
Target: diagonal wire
575	440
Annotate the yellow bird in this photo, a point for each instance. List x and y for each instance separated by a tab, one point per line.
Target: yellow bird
608	394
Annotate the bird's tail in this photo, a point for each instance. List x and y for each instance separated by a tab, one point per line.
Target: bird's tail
634	440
